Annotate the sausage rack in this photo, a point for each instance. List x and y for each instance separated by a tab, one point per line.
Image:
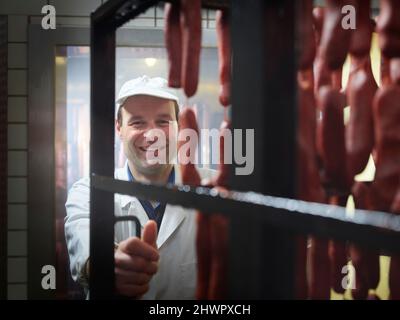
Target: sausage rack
263	215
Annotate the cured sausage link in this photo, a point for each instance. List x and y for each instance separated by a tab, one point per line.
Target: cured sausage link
388	27
173	43
308	181
335	40
305	38
337	253
360	42
319	269
386	112
331	142
360	130
190	176
365	261
191	44
386	184
219	227
224	56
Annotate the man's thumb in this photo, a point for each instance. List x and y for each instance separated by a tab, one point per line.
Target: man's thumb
150	233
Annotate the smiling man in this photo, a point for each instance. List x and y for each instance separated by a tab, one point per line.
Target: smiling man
162	263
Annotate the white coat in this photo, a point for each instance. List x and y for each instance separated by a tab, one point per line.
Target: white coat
176	276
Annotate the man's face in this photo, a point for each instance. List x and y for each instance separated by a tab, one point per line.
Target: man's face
142	114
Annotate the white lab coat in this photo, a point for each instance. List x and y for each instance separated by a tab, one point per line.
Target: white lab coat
176	276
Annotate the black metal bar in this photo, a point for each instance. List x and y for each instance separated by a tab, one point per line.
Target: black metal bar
263	98
129	11
106	12
118	12
377	229
102	159
134	219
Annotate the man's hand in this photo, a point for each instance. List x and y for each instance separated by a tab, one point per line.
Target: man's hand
136	261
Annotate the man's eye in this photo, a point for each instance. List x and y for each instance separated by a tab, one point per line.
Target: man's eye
163	122
137	123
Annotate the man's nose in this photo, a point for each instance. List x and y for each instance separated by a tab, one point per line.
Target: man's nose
151	125
151	137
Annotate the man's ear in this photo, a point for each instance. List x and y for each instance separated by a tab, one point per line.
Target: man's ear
118	128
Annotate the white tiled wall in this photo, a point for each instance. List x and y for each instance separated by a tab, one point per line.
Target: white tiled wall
17	25
23	7
75	7
17	243
17	109
17	216
17	136
17	163
17	190
17	269
17	291
20	13
17	82
17	55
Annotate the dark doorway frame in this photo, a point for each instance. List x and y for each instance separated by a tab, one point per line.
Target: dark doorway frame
3	154
41	167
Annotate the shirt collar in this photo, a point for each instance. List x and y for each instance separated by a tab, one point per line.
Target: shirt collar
171	178
122	174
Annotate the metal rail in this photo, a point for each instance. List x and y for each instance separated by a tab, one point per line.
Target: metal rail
372	228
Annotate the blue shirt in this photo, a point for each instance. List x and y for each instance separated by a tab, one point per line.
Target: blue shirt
154	213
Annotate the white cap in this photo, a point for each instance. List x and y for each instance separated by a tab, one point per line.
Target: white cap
156	87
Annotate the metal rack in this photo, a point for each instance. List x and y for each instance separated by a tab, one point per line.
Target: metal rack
264	98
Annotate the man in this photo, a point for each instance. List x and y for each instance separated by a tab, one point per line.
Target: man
162	263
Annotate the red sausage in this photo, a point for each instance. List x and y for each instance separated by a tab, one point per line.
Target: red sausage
305	159
322	74
173	43
387	175
319	269
335	40
224	56
331	142
395	208
385	71
337	253
395	70
203	245
360	42
388	27
336	79
219	257
305	39
190	176
223	169
219	229
191	44
386	112
309	189
364	260
318	15
334	176
359	131
323	77
187	120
